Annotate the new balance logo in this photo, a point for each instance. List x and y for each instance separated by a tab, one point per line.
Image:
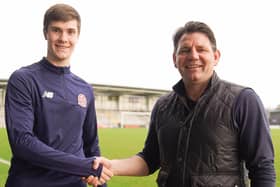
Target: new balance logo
48	94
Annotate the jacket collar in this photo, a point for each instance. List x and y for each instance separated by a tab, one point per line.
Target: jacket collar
179	87
59	70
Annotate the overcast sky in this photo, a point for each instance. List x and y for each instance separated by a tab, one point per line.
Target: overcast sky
129	42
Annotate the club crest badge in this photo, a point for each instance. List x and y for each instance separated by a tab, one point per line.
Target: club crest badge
82	100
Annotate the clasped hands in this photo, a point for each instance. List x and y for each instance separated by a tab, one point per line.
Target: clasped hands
106	173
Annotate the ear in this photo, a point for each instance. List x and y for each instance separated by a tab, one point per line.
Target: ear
174	60
217	55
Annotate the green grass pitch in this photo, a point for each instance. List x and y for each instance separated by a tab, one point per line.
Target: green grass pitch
121	143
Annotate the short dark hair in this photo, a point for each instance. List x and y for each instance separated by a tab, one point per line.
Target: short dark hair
191	27
61	12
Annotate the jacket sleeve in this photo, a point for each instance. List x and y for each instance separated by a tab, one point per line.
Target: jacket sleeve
256	146
90	136
150	152
24	144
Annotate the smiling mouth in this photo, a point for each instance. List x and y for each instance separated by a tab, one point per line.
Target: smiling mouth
62	47
192	66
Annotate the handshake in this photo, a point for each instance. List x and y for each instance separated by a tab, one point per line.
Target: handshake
133	166
106	172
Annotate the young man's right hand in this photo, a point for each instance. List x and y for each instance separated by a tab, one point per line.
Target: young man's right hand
105	175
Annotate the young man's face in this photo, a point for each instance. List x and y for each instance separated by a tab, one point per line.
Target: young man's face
62	38
195	58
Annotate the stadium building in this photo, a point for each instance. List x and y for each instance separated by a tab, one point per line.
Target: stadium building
116	106
274	117
126	107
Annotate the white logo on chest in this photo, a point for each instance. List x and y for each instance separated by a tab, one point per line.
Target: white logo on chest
48	94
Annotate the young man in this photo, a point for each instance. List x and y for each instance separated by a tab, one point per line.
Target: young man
206	130
50	113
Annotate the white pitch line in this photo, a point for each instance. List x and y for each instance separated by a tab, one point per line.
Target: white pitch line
4	161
